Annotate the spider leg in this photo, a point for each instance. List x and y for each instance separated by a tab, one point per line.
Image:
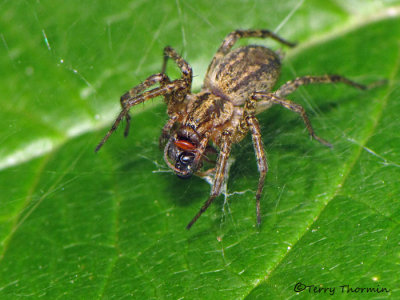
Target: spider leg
232	38
206	172
223	156
249	121
290	86
132	93
162	90
261	160
210	150
199	154
185	68
165	133
268	99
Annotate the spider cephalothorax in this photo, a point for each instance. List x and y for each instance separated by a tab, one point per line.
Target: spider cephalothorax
237	86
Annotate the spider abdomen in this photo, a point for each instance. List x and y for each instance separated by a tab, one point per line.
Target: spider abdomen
244	71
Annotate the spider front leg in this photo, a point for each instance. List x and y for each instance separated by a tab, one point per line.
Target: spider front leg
165	133
185	68
268	99
132	93
209	149
160	91
225	149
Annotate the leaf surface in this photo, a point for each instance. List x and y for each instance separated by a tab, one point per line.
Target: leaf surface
75	224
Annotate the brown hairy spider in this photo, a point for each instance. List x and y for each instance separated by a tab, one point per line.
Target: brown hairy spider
237	87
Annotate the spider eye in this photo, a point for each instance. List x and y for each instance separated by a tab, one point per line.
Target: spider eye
184	164
186	158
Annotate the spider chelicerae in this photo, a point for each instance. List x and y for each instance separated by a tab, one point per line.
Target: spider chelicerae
237	86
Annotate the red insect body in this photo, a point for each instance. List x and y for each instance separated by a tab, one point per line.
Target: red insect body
185	145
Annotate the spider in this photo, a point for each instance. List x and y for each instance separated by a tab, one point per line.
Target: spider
237	86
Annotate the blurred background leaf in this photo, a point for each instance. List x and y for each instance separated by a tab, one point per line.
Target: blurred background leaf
74	224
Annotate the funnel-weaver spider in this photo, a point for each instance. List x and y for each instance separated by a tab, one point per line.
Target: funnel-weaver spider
237	87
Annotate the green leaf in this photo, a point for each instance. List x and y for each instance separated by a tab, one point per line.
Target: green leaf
75	224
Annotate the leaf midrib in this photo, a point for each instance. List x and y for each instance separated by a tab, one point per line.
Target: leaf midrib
348	167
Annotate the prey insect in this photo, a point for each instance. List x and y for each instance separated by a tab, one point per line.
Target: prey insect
237	86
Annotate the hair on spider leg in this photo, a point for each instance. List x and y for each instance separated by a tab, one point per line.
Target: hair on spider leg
238	85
